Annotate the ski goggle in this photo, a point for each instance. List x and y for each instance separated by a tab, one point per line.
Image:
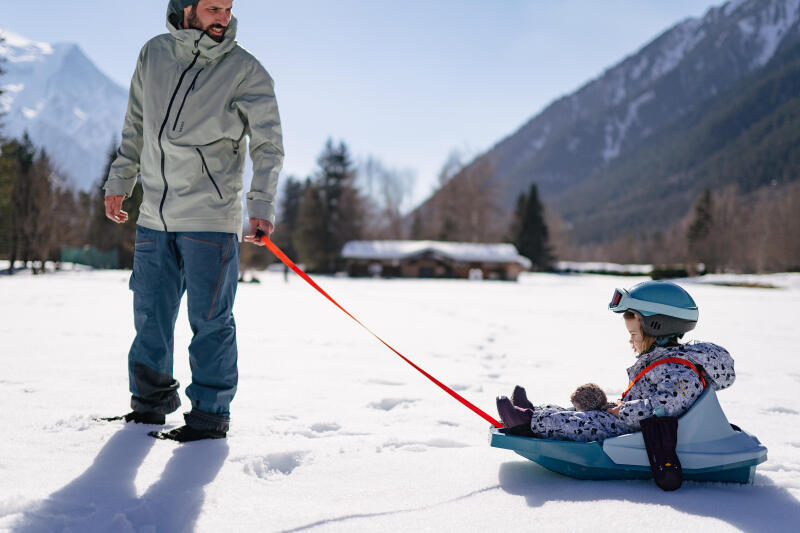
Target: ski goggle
622	301
619	301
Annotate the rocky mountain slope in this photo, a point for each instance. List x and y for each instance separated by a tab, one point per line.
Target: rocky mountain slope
591	143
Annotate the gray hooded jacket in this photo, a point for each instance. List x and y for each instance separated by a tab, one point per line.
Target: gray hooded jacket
192	102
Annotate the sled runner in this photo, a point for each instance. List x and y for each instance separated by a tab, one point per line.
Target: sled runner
709	449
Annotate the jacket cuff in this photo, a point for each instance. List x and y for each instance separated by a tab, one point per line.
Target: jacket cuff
634	411
260	209
116	186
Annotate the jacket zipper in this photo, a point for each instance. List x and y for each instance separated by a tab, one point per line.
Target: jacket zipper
190	89
208	172
161	132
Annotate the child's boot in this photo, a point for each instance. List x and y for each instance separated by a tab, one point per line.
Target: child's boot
520	399
511	415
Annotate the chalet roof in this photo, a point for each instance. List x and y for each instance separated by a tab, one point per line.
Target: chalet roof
457	251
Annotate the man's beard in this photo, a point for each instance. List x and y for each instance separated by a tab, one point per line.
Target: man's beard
194	22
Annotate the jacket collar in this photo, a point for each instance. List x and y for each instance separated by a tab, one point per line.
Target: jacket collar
192	42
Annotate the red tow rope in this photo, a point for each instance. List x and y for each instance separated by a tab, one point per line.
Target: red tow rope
289	263
676	360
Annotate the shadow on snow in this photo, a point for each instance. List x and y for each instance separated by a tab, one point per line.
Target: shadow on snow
752	508
104	497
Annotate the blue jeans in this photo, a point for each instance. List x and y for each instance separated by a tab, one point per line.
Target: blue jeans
205	265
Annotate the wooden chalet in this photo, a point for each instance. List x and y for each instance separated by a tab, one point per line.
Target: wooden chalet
433	259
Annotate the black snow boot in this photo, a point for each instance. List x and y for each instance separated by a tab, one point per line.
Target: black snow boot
139	417
187	434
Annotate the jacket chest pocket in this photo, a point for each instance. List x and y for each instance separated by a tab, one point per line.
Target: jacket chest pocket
178	124
206	172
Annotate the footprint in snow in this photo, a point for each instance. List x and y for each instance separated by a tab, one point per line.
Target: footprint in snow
421	446
782	411
385	382
322	427
387	404
321	430
74	423
273	465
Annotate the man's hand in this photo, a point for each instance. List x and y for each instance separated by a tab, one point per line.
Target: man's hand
114	209
258	224
614	410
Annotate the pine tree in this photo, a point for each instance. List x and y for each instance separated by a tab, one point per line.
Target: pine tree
517	217
342	205
23	154
288	213
703	219
309	235
7	179
531	230
106	235
700	230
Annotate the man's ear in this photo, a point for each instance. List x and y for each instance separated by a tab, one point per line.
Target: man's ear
186	11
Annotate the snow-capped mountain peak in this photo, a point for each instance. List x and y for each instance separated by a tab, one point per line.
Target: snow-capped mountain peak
16	48
63	101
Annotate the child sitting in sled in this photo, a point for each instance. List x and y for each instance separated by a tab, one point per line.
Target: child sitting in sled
666	379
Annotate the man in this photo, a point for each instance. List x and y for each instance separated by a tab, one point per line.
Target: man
194	97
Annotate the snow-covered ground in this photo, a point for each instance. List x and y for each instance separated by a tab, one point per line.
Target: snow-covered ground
333	432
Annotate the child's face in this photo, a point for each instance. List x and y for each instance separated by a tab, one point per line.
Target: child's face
634	328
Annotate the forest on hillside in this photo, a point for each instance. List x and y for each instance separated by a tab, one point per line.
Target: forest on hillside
736	163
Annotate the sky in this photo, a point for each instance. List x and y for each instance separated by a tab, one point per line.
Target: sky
404	82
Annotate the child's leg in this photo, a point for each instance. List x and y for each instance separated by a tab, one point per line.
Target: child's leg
581	426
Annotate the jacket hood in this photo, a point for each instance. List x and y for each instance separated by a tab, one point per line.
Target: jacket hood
195	40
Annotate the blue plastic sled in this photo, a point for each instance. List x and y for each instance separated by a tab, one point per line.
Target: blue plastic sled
709	449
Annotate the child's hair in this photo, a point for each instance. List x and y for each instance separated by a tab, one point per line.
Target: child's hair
647	340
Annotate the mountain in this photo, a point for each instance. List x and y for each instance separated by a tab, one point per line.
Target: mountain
598	155
67	106
748	136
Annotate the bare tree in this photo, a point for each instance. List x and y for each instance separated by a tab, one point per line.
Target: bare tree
387	190
466	207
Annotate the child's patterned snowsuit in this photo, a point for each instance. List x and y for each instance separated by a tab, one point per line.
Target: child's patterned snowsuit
666	390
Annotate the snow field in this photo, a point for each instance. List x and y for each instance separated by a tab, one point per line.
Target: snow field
333	432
